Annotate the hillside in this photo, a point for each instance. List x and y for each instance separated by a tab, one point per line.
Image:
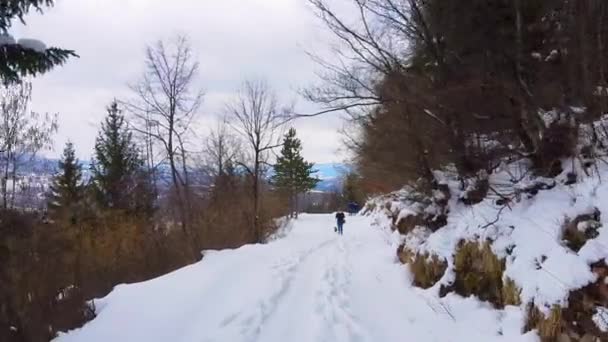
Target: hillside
538	256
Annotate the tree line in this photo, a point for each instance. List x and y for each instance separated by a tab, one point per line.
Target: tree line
434	84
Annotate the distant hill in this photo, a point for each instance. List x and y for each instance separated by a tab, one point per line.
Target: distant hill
331	175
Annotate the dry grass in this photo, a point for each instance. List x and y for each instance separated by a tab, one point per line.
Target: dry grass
548	328
426	269
511	293
575	239
479	272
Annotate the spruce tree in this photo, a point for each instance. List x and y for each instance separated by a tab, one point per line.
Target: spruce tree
117	168
293	174
351	190
20	59
67	186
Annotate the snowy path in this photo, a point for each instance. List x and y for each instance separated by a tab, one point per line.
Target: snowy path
309	286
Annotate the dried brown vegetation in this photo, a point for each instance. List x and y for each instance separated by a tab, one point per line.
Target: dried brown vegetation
426	269
479	272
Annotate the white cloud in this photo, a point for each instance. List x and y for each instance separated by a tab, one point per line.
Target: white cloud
233	39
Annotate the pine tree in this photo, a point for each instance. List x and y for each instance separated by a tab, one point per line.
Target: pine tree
20	60
117	168
67	187
293	174
351	190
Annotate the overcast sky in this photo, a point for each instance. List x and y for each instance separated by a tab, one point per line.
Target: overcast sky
232	39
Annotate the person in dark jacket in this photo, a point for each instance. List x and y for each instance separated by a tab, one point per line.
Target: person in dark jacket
340	219
353	208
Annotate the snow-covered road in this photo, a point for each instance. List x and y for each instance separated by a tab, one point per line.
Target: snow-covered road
311	285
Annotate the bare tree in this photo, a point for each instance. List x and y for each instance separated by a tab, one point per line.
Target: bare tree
166	102
367	72
367	50
221	149
22	135
256	117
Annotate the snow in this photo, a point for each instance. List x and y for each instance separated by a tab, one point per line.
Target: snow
528	233
601	319
6	39
284	226
26	43
311	285
600	91
65	293
32	44
552	56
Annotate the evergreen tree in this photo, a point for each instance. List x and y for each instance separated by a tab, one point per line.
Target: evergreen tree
67	187
25	59
351	190
293	174
117	168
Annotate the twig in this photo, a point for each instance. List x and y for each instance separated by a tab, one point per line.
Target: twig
497	217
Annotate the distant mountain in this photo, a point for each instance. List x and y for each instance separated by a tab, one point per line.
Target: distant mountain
331	175
43	166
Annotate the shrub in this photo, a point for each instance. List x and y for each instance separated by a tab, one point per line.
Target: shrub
511	293
476	192
49	271
559	141
584	303
574	322
578	231
548	328
479	272
426	269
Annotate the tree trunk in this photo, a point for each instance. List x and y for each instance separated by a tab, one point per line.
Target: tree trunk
256	195
295	201
5	173
527	123
178	191
150	151
13	186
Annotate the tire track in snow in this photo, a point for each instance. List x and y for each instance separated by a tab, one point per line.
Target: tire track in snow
253	321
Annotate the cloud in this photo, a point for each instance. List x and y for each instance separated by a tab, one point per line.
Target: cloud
232	39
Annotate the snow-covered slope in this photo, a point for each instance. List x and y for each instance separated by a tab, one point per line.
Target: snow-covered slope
546	237
311	285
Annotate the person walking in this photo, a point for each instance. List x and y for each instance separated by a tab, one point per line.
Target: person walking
340	219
